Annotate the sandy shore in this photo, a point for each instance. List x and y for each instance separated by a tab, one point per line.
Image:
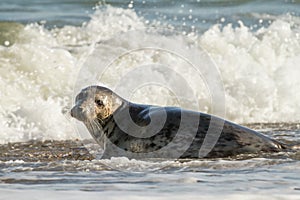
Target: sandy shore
33	151
53	150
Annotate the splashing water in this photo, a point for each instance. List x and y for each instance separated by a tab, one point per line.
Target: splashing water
39	67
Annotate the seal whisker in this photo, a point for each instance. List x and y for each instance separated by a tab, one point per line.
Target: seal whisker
98	131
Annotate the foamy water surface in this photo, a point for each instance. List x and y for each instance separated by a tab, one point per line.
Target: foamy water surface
40	66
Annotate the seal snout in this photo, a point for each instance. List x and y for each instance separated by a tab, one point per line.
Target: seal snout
76	112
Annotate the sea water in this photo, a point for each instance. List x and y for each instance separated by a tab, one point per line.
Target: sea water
49	49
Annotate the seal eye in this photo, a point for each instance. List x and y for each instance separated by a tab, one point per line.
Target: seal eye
99	102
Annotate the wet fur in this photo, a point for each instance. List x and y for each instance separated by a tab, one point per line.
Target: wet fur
234	139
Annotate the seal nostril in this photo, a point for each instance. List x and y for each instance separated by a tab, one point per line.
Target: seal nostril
73	112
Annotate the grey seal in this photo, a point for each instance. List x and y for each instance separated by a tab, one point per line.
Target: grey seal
113	123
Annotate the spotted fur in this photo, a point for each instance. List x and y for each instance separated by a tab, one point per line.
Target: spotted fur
97	108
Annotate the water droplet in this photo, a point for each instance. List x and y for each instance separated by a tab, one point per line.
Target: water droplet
130	5
6	43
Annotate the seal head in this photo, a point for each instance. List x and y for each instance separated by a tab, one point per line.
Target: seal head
96	103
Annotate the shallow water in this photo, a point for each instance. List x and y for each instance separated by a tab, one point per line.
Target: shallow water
254	61
48	48
251	178
272	175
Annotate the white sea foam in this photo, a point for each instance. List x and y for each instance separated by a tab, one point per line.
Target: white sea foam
259	69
